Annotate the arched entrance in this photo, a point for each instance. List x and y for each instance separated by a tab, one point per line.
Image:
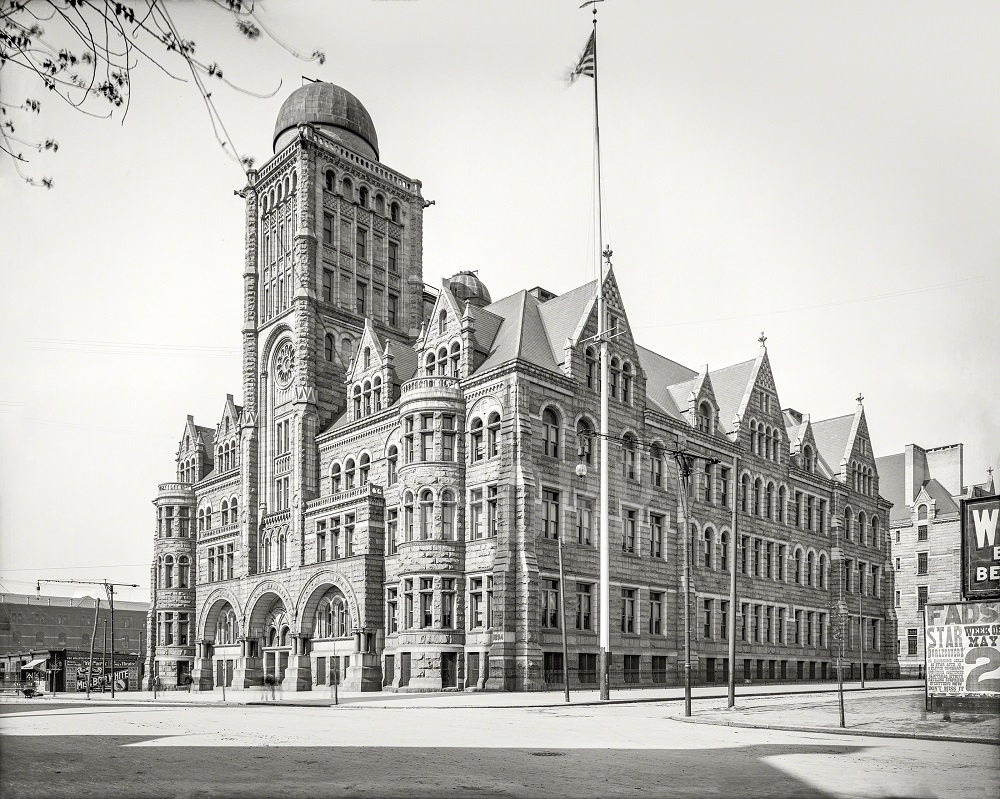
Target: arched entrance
218	645
271	628
327	623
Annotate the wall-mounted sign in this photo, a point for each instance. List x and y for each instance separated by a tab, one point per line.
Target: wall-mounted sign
981	548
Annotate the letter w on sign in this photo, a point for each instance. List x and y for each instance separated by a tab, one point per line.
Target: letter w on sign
986	526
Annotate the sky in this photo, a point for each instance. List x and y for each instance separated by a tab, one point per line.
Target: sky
827	173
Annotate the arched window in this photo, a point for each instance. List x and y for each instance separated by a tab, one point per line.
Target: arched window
442	364
769	502
323	619
862	527
379	204
368	357
363	196
225	512
408	516
550	433
392	461
329	180
208	518
807	458
159	572
349	474
394	212
281	551
346	350
455	357
233	507
477	450
426	513
767	443
377	393
357	401
183	571
776	447
593	377
821	574
760	439
656	466
796	566
493	434
705	415
782	503
708	546
347	188
168	571
363	466
921	513
442	322
745	493
874	526
753	436
758	496
627	382
448	515
429	363
629	471
366	394
848	533
342	619
724	551
335	478
810	566
614	377
201	519
585	441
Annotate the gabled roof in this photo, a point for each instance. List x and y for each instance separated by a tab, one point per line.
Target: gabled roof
561	315
891	484
943	503
486	326
833	436
521	335
404	361
661	374
732	383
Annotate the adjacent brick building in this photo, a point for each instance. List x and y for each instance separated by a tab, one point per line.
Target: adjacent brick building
926	487
385	507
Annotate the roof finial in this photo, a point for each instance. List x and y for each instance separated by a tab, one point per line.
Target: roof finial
989	471
607	255
762	340
860	398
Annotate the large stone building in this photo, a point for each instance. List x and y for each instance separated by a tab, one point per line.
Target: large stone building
385	507
926	487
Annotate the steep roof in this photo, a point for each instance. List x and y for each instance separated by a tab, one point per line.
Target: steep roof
661	374
832	437
891	484
521	334
941	496
561	315
731	384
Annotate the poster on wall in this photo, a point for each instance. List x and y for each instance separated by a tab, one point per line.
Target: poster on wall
126	673
962	647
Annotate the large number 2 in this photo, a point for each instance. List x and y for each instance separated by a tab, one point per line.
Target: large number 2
972	683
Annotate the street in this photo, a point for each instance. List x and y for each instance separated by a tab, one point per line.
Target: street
76	749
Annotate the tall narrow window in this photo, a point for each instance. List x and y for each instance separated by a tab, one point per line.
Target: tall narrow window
476	449
448	516
550	433
493	434
550	513
629	530
426	514
584	520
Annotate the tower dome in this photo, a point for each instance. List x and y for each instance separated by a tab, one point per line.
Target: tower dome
467	287
334	110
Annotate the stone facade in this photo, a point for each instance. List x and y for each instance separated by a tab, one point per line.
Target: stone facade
386	508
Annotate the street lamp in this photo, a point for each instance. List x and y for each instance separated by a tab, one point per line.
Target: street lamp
685	466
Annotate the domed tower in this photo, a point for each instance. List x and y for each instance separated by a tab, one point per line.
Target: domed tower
172	623
334	238
467	287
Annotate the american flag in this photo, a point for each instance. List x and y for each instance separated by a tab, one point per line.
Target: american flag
586	64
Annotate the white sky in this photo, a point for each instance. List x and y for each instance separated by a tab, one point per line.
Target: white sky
826	172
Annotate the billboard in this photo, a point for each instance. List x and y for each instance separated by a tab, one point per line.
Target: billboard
981	548
962	649
126	674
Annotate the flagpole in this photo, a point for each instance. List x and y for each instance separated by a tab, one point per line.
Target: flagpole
605	554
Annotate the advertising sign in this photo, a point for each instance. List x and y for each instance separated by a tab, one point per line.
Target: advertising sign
962	646
126	674
981	548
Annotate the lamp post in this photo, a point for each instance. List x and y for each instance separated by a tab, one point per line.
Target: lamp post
685	466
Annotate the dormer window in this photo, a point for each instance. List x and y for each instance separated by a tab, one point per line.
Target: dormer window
442	361
704	417
455	357
377	393
808	459
442	323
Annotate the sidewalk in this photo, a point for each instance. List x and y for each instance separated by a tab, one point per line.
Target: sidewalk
886	713
459	699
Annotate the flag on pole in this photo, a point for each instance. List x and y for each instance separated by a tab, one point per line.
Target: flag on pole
587	63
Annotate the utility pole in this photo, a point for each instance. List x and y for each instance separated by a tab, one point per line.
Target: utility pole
733	552
110	589
562	614
104	654
861	631
93	638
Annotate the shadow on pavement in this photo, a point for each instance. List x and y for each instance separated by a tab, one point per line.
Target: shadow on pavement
104	766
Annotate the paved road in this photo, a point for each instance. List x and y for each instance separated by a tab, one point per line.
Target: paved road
76	750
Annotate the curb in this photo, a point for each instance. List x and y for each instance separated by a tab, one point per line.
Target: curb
838	731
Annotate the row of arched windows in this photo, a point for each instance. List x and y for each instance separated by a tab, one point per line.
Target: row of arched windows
227	456
863	479
866	530
367	397
227	629
346	348
620	375
484	438
420	511
363	195
230	514
272	552
173	572
281	192
186	470
444	362
765	441
332	618
344	478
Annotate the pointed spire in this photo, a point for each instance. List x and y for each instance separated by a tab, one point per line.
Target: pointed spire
467	311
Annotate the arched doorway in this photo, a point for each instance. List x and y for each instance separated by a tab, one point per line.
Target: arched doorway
327	621
269	633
